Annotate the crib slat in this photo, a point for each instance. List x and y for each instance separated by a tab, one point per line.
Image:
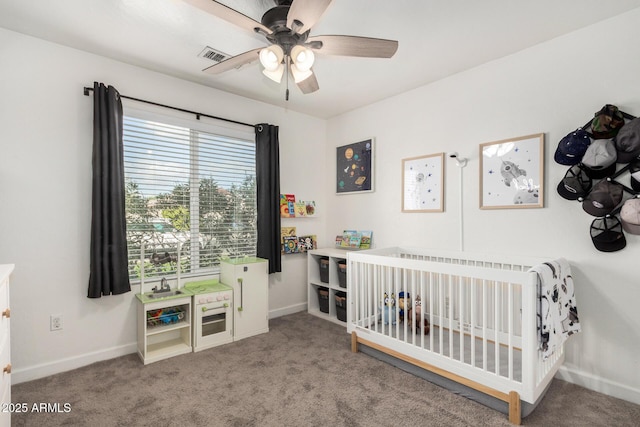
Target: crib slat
431	316
450	313
441	313
461	317
484	325
473	321
496	350
510	328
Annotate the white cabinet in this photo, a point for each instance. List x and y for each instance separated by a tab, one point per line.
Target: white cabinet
324	270
5	344
164	328
249	278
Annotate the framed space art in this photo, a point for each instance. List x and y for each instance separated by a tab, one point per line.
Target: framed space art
354	167
512	173
423	183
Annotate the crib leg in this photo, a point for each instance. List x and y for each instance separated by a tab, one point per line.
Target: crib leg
514	408
354	342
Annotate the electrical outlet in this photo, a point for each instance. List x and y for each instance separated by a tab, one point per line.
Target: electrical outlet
56	322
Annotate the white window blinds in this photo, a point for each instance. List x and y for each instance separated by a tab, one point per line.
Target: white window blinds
190	189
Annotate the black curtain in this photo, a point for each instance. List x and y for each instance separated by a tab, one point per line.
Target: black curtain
108	259
268	188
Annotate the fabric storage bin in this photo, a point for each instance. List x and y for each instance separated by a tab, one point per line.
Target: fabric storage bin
341	306
324	269
342	273
323	299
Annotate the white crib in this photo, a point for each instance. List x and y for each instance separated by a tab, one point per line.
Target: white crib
474	304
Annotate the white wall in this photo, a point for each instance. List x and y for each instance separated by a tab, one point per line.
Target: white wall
45	188
551	88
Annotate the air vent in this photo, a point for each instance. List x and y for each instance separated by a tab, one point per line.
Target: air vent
212	54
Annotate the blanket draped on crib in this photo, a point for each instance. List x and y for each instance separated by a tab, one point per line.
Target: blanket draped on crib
557	316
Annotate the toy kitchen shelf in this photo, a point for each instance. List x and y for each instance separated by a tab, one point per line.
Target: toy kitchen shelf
164	327
335	256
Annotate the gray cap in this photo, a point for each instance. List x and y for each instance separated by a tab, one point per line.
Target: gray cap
627	142
600	159
603	198
630	216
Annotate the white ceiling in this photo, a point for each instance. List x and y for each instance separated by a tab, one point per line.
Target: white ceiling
436	39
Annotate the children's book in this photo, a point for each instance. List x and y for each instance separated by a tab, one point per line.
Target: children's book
367	236
355	239
310	207
350	239
307	243
291	245
287	208
300	209
287	232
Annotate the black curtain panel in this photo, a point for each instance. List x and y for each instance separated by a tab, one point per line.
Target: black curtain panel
108	259
268	184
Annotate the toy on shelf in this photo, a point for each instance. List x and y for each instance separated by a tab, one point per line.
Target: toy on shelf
166	316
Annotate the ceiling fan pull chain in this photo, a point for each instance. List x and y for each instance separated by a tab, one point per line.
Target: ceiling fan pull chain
286	60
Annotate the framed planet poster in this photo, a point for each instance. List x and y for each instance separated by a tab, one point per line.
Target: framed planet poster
512	174
423	183
354	167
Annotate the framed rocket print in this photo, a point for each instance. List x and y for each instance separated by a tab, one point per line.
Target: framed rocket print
423	183
512	173
354	167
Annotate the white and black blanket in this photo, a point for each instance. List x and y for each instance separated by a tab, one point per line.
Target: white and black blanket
557	310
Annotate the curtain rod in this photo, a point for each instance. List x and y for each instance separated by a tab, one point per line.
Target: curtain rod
198	115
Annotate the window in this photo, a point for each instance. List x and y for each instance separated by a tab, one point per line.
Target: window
189	189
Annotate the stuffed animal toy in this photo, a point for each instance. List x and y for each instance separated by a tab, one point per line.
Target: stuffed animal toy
418	309
389	309
404	301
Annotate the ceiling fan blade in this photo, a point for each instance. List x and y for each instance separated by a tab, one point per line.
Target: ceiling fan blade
228	14
306	11
309	85
234	62
366	47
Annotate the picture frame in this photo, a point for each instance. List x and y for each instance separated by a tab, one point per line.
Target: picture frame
512	173
423	183
354	167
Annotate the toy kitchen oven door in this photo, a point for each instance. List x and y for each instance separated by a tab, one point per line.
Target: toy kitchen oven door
213	317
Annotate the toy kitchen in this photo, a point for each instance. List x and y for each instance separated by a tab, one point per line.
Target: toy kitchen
198	315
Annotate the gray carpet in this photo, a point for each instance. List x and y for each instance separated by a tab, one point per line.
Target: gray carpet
302	373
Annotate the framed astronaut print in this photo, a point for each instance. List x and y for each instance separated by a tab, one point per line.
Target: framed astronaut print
423	183
512	173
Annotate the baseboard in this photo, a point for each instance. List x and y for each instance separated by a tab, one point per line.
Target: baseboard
287	310
599	384
46	369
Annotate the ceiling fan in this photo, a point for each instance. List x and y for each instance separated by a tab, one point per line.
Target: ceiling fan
286	27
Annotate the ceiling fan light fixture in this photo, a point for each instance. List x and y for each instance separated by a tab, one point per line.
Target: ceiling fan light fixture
275	75
300	75
302	57
271	57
